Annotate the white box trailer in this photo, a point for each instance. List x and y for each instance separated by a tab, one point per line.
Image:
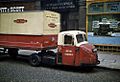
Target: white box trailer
30	23
35	30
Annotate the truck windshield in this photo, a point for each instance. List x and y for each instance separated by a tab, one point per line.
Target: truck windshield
81	38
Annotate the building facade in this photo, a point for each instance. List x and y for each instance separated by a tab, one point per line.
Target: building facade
73	12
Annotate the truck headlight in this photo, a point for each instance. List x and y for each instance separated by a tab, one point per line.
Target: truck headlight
95	50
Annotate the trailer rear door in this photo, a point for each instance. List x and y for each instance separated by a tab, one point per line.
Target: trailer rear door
51	22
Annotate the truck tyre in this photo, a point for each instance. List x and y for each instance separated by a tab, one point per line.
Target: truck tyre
34	60
13	52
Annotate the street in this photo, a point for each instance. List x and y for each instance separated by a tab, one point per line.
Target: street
20	71
59	40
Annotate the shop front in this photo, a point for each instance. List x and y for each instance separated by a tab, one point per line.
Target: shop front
103	23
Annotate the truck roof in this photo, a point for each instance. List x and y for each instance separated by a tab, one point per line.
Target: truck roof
73	32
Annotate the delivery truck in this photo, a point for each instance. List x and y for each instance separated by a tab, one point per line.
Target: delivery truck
39	31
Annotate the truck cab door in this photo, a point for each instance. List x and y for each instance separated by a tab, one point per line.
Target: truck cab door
68	50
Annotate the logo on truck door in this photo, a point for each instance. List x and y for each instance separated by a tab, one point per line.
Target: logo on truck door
68	53
20	21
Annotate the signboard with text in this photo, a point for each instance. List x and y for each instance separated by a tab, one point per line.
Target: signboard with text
11	9
104	7
59	5
15	0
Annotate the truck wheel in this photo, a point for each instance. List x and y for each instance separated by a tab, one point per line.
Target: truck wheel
35	60
13	52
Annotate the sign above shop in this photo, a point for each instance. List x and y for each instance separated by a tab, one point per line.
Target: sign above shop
104	7
60	5
15	0
11	9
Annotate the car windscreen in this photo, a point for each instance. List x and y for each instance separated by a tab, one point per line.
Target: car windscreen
81	38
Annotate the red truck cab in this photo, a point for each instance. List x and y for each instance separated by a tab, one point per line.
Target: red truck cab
73	49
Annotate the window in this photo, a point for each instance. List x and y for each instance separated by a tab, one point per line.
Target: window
68	40
79	38
96	7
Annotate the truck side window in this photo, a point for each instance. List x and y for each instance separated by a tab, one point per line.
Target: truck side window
68	40
79	38
85	39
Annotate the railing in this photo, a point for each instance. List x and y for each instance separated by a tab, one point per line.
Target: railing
109	48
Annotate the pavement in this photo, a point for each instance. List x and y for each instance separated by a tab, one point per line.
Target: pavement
109	60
